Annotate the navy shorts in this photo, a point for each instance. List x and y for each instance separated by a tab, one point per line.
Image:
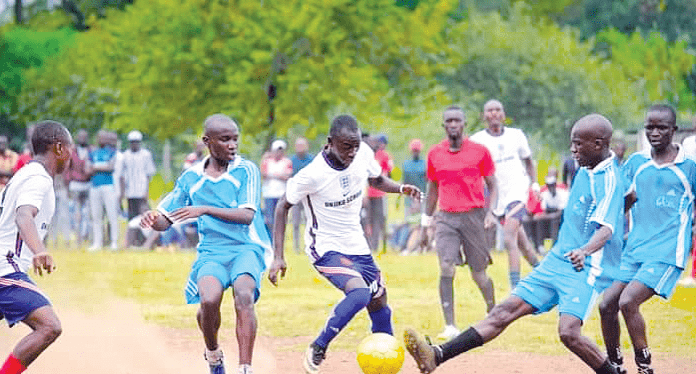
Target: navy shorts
515	209
19	297
339	268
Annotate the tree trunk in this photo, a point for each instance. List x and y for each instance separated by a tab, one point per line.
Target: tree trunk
18	11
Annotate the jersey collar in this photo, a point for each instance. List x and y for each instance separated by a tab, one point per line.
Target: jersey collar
604	164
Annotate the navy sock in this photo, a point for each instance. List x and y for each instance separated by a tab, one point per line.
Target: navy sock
342	314
606	368
381	321
465	341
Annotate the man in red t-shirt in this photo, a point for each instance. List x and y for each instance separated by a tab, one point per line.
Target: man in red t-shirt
376	201
456	171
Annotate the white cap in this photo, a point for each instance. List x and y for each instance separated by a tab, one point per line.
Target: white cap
278	144
550	180
135	136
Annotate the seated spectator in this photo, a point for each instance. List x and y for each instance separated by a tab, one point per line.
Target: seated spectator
545	222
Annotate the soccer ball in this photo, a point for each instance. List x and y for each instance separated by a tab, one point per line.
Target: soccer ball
380	353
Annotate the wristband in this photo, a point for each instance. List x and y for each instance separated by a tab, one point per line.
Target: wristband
426	220
401	189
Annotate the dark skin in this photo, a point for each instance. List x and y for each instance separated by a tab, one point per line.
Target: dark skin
221	138
341	150
43	321
627	297
590	139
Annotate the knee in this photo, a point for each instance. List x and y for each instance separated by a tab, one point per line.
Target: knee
499	317
570	337
627	305
447	269
244	299
51	330
608	307
210	303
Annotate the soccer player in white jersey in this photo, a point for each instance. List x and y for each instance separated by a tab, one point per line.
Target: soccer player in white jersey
514	170
662	187
331	190
224	193
26	208
573	273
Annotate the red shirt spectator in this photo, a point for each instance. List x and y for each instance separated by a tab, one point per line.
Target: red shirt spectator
387	164
460	175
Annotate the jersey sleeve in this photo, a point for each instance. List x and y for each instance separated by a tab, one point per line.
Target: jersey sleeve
33	191
301	185
250	188
486	165
524	150
178	198
628	171
609	199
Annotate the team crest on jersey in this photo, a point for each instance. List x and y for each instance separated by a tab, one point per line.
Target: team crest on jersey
345	184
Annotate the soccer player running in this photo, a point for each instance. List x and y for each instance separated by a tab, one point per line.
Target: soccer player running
661	196
514	170
26	209
223	193
331	190
456	171
571	275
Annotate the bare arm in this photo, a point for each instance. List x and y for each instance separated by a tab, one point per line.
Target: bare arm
531	170
430	198
386	184
280	222
492	185
24	220
234	215
596	242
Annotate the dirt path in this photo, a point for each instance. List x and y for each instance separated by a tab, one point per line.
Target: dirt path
118	341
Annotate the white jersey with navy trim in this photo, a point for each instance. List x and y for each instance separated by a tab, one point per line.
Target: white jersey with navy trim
332	200
507	151
661	217
31	185
239	187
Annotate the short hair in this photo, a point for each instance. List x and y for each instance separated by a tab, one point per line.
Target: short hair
454	107
47	133
218	118
665	108
341	122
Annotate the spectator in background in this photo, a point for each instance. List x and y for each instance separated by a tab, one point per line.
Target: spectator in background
78	185
276	169
137	168
102	193
300	159
376	200
196	156
413	173
8	159
619	149
570	167
25	156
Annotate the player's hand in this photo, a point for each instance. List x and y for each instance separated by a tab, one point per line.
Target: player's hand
187	212
43	261
577	258
278	265
149	218
411	191
489	220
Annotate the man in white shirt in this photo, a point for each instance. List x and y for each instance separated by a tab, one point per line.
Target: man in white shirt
331	190
514	170
26	209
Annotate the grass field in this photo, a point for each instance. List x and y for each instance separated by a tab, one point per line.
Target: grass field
300	305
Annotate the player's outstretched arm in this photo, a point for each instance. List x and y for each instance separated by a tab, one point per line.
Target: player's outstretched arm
280	221
386	184
237	215
24	220
155	220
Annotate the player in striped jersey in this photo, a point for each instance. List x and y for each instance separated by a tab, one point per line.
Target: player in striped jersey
331	190
26	209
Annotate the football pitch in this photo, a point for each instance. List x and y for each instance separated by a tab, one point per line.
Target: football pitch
101	290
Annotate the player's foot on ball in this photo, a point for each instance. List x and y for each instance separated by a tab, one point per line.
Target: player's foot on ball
313	358
421	351
216	361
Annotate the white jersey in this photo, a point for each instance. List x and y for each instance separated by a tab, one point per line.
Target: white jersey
31	185
332	200
508	150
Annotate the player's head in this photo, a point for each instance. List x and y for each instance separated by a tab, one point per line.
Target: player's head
135	139
301	146
344	139
454	121
660	126
590	139
494	114
53	141
221	136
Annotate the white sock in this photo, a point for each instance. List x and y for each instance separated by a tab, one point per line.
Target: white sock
214	357
245	369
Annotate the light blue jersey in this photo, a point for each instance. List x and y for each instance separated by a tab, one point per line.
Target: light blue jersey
661	217
596	199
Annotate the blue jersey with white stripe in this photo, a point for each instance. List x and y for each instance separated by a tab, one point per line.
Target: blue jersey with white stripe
239	187
661	217
596	199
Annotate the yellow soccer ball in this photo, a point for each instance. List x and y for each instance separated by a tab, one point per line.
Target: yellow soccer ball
380	353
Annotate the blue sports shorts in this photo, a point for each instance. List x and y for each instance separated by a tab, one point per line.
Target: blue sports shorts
19	297
555	282
515	209
226	266
658	276
339	268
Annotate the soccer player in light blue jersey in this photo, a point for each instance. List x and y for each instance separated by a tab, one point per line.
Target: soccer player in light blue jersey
223	193
576	269
662	195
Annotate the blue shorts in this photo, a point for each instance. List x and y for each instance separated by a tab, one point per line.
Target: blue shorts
554	282
19	297
658	276
339	269
515	209
226	266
